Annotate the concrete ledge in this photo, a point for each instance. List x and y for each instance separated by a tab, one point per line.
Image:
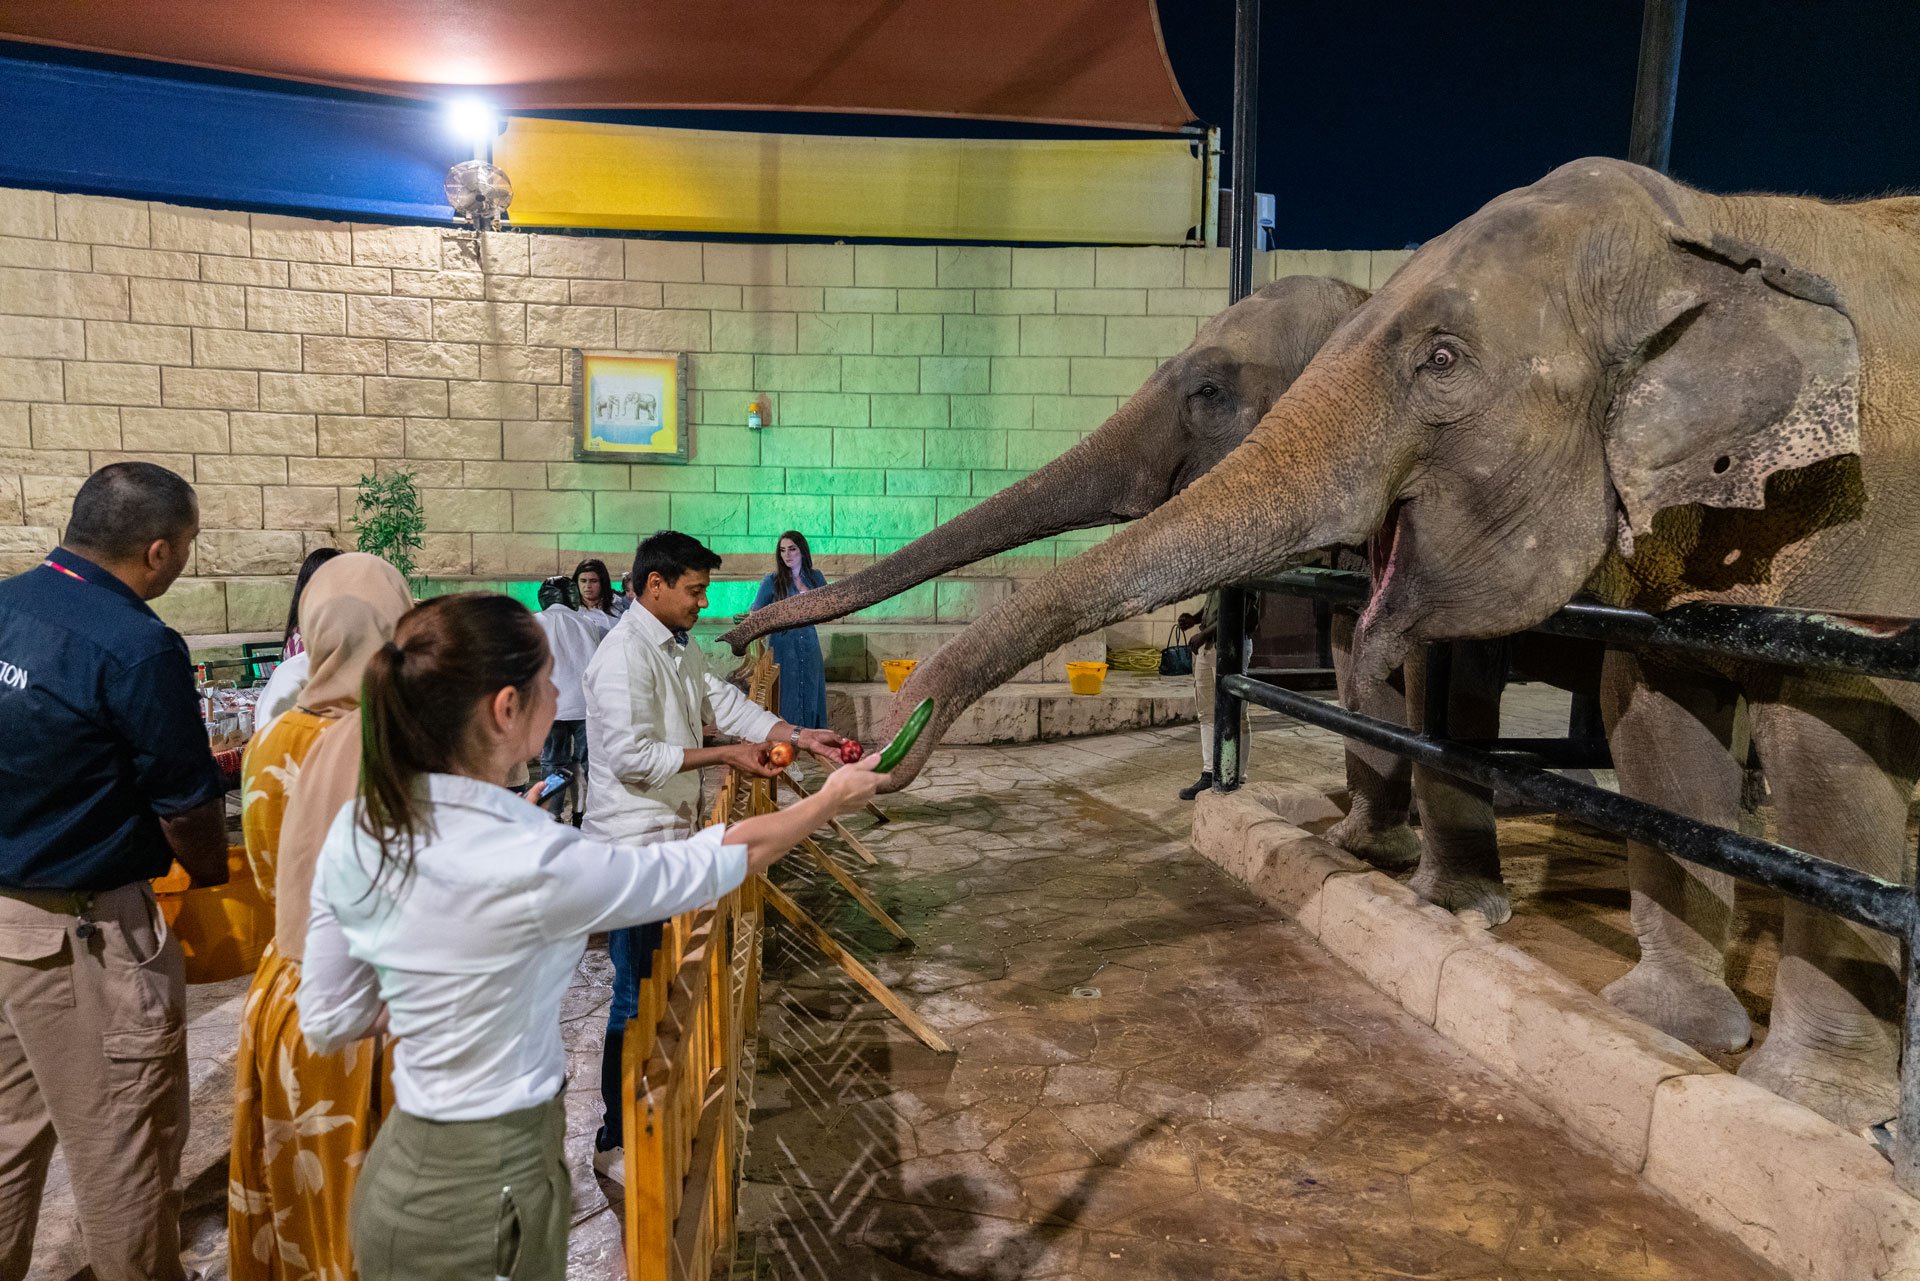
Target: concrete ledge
1794	1188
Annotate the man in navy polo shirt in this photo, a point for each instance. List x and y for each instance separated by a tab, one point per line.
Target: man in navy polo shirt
105	779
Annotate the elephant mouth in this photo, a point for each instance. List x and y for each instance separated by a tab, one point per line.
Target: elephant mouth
1383	558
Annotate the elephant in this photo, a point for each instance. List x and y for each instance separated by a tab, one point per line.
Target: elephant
1613	383
1166	435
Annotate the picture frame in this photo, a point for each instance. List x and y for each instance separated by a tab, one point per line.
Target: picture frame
630	407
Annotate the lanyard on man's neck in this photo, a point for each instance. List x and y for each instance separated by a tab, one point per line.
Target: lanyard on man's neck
50	563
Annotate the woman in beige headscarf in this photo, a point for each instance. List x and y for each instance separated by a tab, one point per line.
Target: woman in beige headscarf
301	1122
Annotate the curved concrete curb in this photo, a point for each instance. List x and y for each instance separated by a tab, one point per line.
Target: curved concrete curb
1794	1188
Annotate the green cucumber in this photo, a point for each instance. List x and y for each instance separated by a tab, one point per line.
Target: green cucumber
902	743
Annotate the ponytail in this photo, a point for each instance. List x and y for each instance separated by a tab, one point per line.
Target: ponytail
417	706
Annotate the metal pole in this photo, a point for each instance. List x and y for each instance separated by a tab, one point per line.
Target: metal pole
1657	83
1230	613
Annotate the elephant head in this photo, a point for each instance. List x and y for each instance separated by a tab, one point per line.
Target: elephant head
1195	408
1590	360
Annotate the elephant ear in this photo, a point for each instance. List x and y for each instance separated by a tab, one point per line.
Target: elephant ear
1754	369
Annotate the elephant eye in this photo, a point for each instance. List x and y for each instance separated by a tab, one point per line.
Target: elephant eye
1206	391
1442	358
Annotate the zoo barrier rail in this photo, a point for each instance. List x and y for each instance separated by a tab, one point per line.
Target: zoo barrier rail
687	1064
1883	647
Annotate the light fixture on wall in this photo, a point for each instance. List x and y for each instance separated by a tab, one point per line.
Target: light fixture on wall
477	189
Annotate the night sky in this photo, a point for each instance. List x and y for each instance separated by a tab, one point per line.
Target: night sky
1384	122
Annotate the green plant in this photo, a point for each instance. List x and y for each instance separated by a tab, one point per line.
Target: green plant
388	519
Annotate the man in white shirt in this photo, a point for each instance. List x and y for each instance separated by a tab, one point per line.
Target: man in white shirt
649	695
573	639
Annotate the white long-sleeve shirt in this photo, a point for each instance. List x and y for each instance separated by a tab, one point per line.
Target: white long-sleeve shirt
573	638
472	954
648	697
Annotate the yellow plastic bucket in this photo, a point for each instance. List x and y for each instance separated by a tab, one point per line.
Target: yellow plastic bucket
897	670
1086	678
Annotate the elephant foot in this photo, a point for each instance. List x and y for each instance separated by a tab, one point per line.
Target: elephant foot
1702	1012
1462	892
1849	1091
1390	849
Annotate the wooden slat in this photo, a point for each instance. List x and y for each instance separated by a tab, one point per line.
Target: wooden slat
853	887
859	973
839	829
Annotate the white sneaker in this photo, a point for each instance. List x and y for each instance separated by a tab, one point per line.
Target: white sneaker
611	1165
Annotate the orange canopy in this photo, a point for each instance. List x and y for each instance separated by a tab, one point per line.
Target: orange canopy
1071	62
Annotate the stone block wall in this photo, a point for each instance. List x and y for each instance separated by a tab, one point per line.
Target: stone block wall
273	361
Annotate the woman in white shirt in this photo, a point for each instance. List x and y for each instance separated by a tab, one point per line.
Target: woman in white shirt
450	914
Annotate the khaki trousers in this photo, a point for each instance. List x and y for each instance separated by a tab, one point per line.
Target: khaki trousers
465	1200
1205	667
93	1055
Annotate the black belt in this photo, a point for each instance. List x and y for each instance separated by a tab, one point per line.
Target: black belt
66	902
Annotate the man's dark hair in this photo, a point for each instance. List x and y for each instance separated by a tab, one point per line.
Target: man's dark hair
124	507
557	590
670	554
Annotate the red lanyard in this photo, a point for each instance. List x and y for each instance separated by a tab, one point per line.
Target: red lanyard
63	569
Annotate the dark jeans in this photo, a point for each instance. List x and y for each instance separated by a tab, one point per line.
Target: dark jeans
565	748
632	953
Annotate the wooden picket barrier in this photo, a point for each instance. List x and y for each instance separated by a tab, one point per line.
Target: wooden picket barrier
687	1062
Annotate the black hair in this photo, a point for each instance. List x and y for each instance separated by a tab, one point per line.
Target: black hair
670	554
315	559
124	508
782	576
557	590
417	705
593	565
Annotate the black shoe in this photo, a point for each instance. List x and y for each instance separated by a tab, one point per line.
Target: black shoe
1205	784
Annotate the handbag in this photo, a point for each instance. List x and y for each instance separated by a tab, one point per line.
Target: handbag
223	929
1176	657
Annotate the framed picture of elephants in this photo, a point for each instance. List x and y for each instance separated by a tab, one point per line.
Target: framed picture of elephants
629	407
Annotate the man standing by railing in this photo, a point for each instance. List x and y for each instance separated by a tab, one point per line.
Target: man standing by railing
649	696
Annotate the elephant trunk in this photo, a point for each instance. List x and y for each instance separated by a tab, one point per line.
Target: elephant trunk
1112	475
1296	485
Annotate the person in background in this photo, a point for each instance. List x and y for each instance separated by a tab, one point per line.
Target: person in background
283	687
1205	646
572	638
452	914
105	780
648	696
302	1122
598	602
803	672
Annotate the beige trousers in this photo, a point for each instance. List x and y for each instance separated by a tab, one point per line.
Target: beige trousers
1205	667
93	1055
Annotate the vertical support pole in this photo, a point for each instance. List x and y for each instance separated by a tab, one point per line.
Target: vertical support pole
1210	202
1434	718
1657	83
1230	634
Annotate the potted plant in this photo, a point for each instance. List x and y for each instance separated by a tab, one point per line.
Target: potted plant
387	518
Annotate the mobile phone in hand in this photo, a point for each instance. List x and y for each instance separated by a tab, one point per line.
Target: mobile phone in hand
555	781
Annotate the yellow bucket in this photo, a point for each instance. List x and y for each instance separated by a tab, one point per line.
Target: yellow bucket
1086	678
897	670
223	929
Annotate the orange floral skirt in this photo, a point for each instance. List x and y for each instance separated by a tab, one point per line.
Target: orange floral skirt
302	1124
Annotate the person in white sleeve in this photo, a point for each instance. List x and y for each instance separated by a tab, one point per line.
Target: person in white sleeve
573	637
450	914
649	695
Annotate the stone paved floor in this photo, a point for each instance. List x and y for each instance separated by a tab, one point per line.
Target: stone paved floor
1155	1075
1233	1103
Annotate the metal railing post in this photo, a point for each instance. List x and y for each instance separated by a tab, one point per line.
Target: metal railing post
1229	709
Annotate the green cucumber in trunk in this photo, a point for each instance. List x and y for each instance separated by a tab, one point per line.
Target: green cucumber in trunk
902	743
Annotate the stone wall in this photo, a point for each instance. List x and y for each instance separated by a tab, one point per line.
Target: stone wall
273	361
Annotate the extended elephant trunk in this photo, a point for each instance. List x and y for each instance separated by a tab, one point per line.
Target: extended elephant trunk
1097	482
1272	502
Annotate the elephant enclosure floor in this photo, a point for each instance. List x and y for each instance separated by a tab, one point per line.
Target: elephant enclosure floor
1155	1075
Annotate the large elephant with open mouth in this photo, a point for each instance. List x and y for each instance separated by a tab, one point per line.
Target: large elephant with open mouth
1609	382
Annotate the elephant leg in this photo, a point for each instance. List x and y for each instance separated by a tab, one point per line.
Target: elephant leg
1841	761
1379	784
1672	737
1459	843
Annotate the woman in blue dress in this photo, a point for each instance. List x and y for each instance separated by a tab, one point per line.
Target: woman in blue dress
803	673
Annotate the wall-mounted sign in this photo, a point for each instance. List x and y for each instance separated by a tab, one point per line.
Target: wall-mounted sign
629	407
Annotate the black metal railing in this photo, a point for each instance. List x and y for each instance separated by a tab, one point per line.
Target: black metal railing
1881	647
